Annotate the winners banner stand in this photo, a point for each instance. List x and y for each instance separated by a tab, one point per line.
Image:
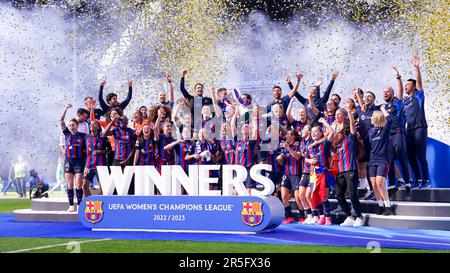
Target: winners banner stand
211	214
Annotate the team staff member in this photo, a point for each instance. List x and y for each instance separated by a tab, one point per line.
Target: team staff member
365	112
162	95
111	98
197	101
284	101
394	106
75	156
318	102
416	127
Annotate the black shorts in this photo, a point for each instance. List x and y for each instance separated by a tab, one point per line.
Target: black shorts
304	182
375	169
249	182
366	152
89	174
275	177
291	182
74	165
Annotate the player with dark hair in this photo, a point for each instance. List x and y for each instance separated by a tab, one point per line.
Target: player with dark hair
290	158
146	147
337	99
166	157
344	144
124	138
317	156
82	116
97	147
305	199
246	147
144	111
182	147
202	150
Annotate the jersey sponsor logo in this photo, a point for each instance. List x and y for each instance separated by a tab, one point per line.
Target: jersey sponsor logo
252	214
93	211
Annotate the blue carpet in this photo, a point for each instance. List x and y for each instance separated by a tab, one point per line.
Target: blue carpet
292	234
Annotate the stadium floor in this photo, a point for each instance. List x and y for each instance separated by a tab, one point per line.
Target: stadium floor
292	234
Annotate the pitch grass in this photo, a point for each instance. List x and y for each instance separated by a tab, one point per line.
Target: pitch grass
8	205
135	246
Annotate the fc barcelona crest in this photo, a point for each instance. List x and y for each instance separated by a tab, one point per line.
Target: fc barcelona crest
93	211
252	213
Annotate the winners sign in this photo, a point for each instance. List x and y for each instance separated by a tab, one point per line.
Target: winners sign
217	214
202	210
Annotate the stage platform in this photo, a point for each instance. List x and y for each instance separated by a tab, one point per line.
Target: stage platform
291	234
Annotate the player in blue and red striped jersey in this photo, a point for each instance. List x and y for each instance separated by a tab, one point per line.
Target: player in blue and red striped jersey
146	147
344	145
305	199
245	149
206	121
97	147
290	158
125	139
202	150
227	144
378	166
182	148
303	119
75	156
277	115
166	157
269	150
318	156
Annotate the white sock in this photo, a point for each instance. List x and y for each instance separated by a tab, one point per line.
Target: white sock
363	183
387	204
401	180
380	203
